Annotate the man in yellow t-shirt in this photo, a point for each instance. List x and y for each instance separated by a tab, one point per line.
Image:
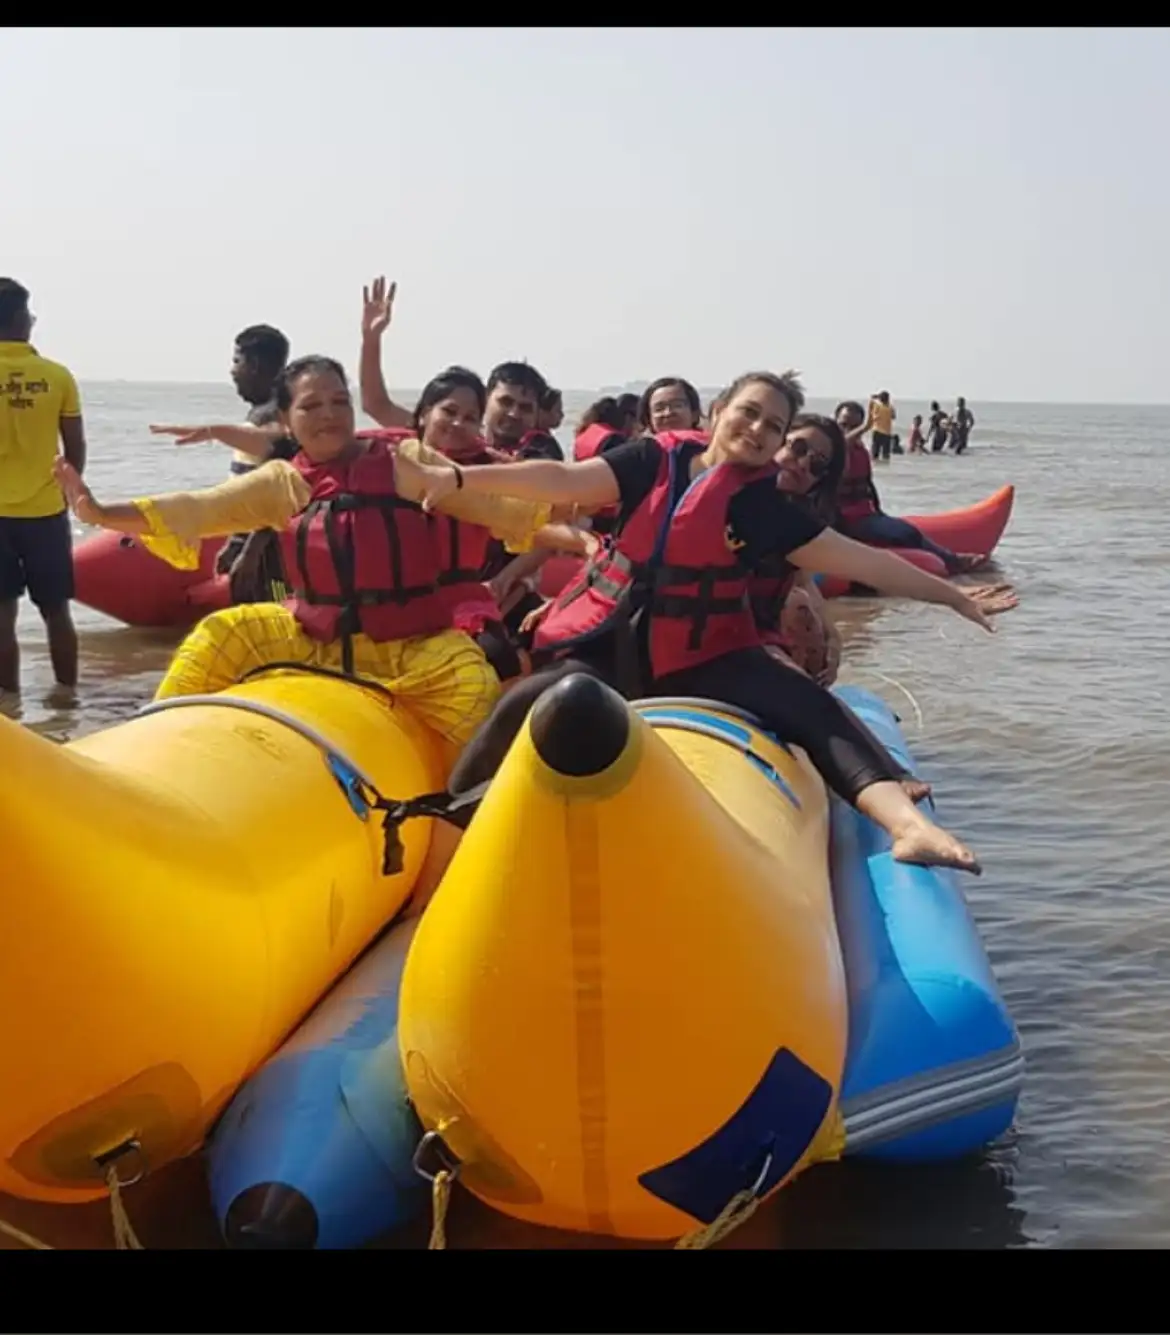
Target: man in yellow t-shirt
39	404
881	421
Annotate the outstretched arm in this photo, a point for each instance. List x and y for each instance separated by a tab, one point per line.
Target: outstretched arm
174	524
830	553
255	441
122	516
588	484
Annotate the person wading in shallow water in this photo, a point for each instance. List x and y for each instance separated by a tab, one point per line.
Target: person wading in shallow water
39	404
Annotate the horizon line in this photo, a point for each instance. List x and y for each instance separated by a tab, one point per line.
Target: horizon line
913	398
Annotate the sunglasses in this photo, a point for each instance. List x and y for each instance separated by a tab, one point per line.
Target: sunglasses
817	464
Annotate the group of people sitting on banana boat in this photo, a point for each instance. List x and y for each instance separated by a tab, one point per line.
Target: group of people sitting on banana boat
703	537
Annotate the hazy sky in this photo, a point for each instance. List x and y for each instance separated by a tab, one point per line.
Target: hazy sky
937	212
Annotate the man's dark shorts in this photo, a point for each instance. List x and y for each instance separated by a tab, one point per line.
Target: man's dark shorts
36	555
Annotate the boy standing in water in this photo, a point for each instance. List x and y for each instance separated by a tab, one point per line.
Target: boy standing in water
39	403
916	443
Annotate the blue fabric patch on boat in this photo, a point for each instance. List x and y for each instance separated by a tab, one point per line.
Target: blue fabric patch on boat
780	1118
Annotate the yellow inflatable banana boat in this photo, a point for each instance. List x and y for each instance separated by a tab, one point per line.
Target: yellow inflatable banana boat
626	1004
178	892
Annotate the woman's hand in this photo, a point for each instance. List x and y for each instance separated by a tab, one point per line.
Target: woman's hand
536	616
981	602
184	435
78	496
377	308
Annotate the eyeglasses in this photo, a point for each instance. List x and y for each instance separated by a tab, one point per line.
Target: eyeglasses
816	463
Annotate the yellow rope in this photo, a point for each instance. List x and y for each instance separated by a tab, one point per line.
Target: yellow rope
740	1208
125	1239
26	1238
440	1200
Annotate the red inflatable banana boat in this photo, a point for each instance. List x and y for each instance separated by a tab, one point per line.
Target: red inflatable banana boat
115	574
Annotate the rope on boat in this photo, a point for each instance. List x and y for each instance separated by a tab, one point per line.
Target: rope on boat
440	1200
125	1239
894	682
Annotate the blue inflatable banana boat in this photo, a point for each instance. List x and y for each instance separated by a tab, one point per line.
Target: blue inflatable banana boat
316	1149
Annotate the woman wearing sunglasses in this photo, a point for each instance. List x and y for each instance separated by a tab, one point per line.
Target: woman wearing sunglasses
790	612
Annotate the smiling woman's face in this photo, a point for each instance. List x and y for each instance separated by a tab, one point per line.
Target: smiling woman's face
453	423
320	415
750	428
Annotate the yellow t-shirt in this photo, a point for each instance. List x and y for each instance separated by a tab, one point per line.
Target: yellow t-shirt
274	492
883	417
35	394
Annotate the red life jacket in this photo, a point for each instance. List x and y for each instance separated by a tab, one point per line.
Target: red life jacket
359	557
854	494
463	558
768	594
463	548
590	442
678	558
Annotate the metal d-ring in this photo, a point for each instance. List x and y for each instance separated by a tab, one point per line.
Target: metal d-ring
759	1182
448	1163
111	1157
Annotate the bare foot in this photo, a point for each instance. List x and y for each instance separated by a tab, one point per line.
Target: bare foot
926	845
915	789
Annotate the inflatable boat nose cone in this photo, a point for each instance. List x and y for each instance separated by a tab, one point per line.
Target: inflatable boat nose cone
271	1217
579	727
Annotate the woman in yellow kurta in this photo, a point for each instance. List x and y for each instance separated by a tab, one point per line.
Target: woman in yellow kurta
440	674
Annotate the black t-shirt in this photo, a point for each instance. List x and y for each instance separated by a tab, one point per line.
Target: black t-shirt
767	523
541	445
284	447
764	520
263	414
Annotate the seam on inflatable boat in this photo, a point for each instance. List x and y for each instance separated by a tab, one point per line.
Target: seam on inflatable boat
266	711
942	1106
915	1121
585	928
932	1107
896	1108
967	1069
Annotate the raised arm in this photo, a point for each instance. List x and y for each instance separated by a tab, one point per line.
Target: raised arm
831	553
859	431
377	312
